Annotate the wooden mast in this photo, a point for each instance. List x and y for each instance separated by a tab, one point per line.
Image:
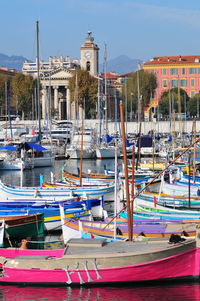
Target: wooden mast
130	225
194	157
38	83
81	150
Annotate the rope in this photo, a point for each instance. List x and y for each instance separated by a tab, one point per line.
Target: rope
158	175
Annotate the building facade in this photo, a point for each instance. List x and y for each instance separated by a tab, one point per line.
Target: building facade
175	71
90	55
55	75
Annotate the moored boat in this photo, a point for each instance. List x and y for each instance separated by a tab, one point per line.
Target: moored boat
97	262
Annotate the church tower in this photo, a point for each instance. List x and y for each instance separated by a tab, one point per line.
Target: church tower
90	55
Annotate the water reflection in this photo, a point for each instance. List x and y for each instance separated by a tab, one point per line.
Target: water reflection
32	177
184	292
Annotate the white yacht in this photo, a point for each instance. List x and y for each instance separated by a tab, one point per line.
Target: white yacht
89	143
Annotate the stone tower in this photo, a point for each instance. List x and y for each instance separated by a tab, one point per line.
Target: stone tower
90	55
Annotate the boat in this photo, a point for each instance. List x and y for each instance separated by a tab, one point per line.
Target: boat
77	229
88	150
174	201
74	208
71	179
95	261
22	226
55	193
9	160
106	152
175	188
35	155
90	175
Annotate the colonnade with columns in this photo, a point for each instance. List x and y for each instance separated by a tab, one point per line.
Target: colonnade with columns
57	98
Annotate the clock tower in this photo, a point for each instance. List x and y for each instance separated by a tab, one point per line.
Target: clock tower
90	55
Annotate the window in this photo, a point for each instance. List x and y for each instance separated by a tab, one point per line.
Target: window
88	66
192	93
192	70
183	83
164	71
183	71
174	83
173	71
192	82
198	70
164	83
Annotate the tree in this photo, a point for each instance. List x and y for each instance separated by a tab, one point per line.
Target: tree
3	81
194	105
143	81
84	88
23	88
177	97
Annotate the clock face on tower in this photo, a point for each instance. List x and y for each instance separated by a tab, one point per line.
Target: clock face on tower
87	55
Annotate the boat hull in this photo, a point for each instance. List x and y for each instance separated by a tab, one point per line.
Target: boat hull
175	263
58	193
106	153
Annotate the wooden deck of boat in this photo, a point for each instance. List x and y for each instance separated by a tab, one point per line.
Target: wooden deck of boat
100	246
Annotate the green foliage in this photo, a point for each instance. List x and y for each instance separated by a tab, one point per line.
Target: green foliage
147	84
23	88
194	105
85	91
178	98
3	80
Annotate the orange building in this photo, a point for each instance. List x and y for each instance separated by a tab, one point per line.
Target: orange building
175	71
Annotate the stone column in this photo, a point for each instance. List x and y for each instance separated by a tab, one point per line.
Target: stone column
44	99
56	97
60	108
68	103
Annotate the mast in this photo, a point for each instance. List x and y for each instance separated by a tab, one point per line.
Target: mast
38	83
6	102
116	171
81	149
105	88
130	219
194	155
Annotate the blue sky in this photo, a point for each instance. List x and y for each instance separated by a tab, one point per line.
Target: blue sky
139	29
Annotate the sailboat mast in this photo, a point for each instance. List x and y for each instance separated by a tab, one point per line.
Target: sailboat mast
130	219
38	82
105	88
6	102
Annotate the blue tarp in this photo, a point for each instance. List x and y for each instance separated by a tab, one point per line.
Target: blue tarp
34	146
8	147
145	141
128	143
108	138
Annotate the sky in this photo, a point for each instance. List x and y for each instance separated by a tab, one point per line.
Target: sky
140	29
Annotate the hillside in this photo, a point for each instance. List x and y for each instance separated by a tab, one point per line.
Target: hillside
121	64
12	62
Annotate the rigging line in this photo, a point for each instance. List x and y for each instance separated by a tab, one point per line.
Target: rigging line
160	173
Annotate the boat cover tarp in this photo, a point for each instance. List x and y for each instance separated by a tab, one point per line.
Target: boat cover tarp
9	148
34	146
145	141
128	143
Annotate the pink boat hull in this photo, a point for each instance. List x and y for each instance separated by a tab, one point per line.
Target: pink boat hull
184	265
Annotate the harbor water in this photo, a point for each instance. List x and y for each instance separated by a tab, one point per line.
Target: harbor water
167	292
156	292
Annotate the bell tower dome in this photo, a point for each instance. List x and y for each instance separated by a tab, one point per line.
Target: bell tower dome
90	55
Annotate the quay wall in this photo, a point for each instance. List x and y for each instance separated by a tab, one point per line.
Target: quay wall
161	126
130	127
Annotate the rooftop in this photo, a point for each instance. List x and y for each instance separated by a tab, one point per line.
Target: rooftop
187	59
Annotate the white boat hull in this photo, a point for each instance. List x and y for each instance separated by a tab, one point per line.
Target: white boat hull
106	153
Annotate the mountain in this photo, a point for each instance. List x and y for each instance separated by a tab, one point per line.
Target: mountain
12	62
122	65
